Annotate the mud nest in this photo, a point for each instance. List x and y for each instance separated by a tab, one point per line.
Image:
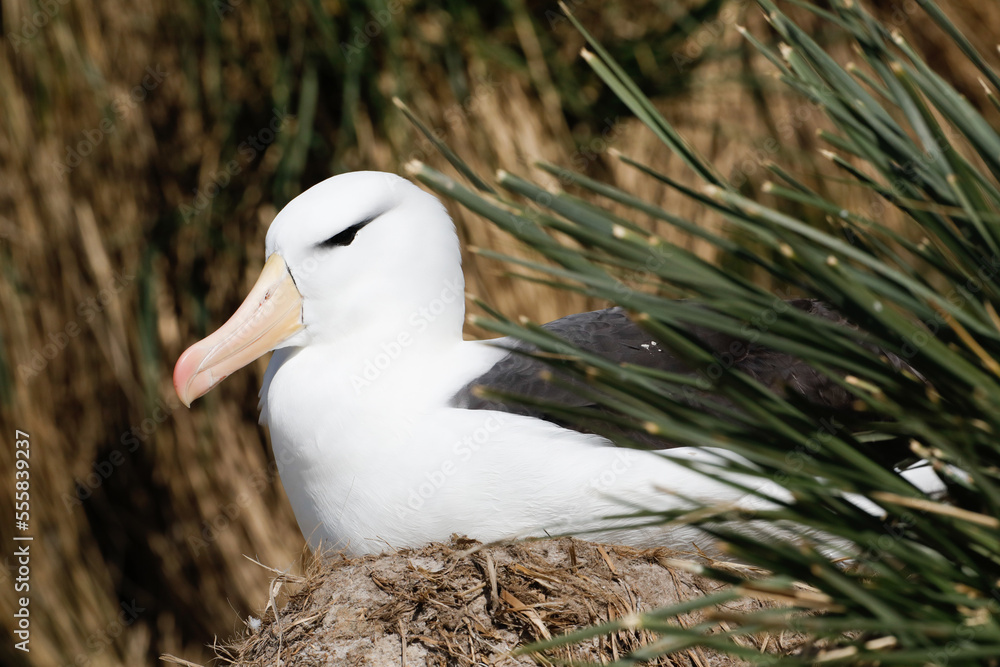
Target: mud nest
464	603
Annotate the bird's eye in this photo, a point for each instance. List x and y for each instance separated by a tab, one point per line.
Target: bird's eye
347	236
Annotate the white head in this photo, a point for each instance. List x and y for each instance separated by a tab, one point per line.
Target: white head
355	255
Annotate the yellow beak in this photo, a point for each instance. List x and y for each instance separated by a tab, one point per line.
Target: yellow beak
270	314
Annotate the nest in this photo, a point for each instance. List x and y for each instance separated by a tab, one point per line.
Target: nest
468	604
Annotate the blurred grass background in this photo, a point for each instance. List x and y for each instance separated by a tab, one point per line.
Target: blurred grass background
145	147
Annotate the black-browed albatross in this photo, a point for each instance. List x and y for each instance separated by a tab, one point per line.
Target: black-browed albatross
379	441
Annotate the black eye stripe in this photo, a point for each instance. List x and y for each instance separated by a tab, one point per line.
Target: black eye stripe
347	236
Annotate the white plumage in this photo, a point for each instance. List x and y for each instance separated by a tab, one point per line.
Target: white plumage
363	299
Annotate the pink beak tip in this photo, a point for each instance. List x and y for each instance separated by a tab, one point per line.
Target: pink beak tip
184	371
270	314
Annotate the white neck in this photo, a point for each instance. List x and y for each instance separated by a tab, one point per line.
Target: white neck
343	415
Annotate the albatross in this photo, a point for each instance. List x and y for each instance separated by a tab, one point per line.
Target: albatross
379	439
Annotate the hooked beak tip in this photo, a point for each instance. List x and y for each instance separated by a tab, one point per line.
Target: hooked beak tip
184	373
271	313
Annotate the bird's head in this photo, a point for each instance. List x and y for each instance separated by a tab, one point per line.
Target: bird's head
361	250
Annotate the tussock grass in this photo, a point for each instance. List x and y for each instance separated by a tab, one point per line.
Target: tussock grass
115	260
919	356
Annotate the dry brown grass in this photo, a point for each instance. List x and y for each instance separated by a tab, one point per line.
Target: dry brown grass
470	604
100	265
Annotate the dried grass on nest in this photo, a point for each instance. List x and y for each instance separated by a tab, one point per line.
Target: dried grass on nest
468	604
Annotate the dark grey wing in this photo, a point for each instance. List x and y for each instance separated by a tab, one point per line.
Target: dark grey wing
611	334
782	372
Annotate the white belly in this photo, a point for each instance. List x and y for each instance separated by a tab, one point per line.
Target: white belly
388	470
